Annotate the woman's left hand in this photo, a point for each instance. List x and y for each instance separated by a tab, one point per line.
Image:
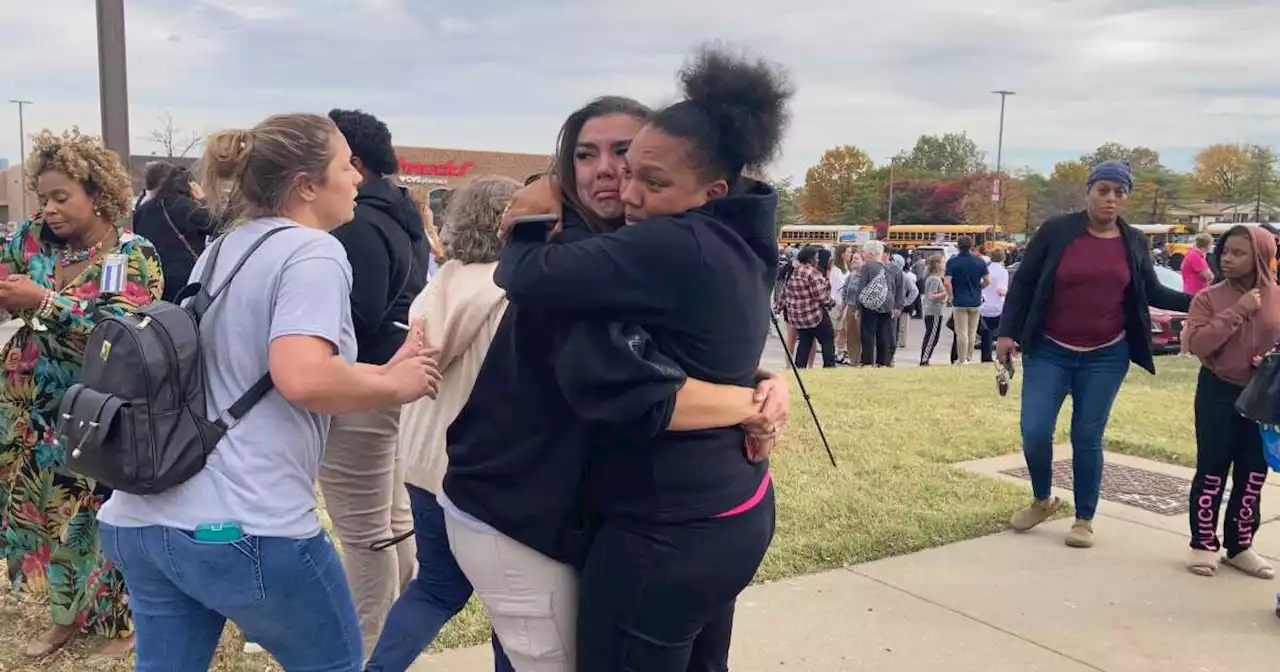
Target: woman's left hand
18	292
774	396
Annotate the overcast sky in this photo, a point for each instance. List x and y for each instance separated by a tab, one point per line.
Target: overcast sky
500	74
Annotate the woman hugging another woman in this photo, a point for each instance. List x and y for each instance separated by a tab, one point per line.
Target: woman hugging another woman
682	520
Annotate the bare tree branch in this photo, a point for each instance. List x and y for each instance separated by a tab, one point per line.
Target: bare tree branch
175	142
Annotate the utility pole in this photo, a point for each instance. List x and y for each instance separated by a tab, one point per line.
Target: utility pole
1000	156
892	163
1028	225
1257	203
22	156
113	82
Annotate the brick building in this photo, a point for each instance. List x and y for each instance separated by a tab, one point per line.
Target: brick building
430	173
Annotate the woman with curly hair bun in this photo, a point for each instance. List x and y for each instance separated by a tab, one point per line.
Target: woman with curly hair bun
63	272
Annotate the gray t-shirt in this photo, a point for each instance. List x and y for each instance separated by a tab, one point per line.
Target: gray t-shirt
263	473
933	285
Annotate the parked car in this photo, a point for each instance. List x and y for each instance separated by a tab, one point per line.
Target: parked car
1167	325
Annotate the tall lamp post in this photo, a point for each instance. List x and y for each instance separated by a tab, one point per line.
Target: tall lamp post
999	195
893	162
22	155
113	84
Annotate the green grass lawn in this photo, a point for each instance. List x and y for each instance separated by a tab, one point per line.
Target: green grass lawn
895	435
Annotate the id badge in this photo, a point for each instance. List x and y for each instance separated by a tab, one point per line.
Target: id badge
114	269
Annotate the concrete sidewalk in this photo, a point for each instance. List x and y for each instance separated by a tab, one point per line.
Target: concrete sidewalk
1010	602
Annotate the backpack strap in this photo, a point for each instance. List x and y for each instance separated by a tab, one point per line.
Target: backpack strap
231	417
201	303
202	298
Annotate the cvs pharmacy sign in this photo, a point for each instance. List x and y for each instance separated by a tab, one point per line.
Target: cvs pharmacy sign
449	169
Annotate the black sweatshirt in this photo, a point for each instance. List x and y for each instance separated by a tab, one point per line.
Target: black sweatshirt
1026	308
387	247
518	450
699	283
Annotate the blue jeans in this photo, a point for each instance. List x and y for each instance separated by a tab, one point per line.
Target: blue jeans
290	596
1050	373
436	595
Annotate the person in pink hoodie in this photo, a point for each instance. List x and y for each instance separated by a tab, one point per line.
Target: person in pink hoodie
1230	324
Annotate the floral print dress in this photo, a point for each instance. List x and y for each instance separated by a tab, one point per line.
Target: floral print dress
48	517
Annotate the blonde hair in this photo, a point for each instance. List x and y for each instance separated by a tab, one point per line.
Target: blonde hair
474	215
251	173
934	265
83	159
1204	240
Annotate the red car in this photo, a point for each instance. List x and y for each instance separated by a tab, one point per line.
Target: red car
1166	325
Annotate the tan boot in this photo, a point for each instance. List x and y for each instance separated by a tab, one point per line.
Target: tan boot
1039	511
1081	534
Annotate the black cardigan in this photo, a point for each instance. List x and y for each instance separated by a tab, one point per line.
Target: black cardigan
1031	289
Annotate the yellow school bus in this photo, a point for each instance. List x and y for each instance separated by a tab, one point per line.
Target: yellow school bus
824	234
911	236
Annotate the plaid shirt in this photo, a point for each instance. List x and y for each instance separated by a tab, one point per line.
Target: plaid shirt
807	297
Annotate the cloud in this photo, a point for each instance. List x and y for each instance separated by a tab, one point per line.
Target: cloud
499	74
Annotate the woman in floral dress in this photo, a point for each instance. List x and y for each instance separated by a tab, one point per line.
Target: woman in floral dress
54	281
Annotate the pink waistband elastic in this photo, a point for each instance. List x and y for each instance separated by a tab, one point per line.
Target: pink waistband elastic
755	499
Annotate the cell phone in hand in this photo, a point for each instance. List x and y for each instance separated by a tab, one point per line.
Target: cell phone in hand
533	227
547	219
1004	374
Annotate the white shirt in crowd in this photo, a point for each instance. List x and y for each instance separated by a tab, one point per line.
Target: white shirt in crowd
994	293
838	278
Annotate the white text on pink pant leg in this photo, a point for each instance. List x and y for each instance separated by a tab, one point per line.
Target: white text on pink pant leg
1206	512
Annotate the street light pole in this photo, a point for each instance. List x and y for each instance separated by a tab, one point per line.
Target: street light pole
22	155
892	164
1000	155
113	83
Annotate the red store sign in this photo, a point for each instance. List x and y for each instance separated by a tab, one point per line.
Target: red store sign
449	169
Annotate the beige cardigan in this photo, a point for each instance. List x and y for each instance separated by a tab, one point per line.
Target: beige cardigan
462	309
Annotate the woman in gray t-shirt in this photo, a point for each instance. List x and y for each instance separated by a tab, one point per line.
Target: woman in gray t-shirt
933	304
241	540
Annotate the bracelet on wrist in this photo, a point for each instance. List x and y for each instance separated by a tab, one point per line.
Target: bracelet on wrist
46	305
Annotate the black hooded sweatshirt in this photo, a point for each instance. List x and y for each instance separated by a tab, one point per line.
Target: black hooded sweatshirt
699	283
388	250
519	448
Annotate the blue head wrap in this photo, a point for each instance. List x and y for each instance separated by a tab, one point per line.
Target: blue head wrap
1112	171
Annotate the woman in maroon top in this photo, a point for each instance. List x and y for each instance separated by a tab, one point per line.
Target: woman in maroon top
1078	308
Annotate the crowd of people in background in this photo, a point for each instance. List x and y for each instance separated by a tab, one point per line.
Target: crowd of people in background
855	303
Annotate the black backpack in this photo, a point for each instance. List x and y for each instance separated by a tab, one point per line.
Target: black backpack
136	421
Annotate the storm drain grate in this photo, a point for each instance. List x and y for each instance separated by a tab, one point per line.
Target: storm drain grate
1147	490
